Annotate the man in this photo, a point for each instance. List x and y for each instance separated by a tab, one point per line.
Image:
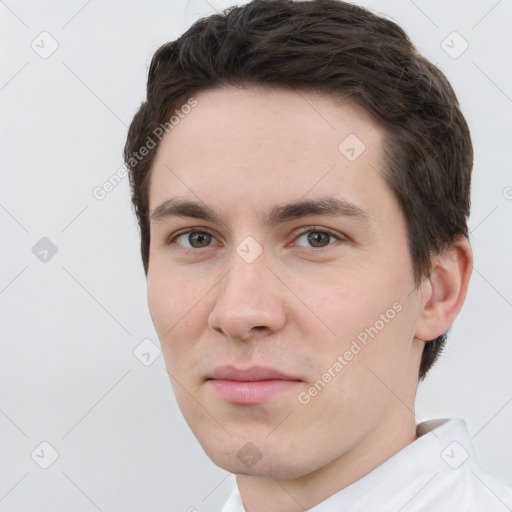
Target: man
301	179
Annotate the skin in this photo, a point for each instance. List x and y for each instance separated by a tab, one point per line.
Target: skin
298	306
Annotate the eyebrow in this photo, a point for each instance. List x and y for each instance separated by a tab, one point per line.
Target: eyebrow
330	206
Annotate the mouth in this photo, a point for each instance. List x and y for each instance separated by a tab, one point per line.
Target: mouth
253	385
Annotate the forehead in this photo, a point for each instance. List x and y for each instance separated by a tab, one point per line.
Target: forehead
263	144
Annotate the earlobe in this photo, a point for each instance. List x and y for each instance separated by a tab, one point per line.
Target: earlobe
445	290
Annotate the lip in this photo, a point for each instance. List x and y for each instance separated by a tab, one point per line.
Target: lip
251	374
252	385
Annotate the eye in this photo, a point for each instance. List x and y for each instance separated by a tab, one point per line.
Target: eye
192	239
317	238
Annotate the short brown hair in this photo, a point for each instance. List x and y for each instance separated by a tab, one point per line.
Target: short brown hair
344	51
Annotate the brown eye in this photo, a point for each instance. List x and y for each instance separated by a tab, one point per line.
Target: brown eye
318	238
192	239
198	239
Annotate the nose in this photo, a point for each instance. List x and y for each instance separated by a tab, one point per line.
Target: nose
249	301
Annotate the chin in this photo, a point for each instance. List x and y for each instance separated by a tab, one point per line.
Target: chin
277	465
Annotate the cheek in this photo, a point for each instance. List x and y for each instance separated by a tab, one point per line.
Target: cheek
174	304
161	303
383	364
350	303
371	375
175	311
370	318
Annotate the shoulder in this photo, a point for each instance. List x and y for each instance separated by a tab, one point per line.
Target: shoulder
470	490
458	482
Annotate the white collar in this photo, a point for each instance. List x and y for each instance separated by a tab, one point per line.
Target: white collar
435	472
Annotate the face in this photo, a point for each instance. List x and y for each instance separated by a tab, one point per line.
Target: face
280	281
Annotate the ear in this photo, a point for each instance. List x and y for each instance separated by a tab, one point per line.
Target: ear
445	290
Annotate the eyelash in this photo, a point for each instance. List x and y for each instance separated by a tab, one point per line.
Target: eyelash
310	229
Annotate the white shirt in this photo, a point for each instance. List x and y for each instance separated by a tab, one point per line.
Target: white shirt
435	473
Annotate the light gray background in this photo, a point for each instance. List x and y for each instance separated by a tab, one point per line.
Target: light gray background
68	374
